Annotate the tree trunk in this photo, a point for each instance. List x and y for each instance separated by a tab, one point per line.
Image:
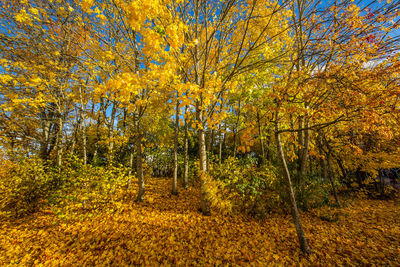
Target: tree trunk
139	161
234	143
174	190
59	141
210	141
261	138
293	205
75	136
332	180
236	130
186	154
44	142
130	167
96	141
325	169
205	205
304	154
83	127
220	144
111	134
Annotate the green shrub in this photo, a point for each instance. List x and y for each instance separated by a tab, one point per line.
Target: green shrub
255	190
314	193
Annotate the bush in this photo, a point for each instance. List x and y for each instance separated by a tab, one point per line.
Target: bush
217	194
255	190
87	187
28	183
23	186
314	193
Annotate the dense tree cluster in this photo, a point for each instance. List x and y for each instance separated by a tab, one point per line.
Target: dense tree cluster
247	99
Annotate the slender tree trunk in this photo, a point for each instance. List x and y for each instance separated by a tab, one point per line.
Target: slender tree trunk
261	138
234	143
212	142
75	136
139	161
268	144
325	169
332	180
59	141
236	130
83	127
293	205
96	141
205	205
304	155
130	167
207	138
44	143
300	136
186	152
220	144
209	149
111	134
174	190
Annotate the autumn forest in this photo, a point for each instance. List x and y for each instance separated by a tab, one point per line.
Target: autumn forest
199	132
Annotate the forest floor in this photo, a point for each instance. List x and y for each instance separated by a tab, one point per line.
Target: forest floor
169	230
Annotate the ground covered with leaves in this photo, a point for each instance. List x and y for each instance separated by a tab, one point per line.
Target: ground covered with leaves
169	230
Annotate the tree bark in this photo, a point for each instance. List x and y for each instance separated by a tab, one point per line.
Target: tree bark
221	139
83	127
97	139
59	141
332	180
235	130
304	154
205	205
174	190
261	138
44	142
234	143
130	167
139	161
293	205
209	148
111	134
186	154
